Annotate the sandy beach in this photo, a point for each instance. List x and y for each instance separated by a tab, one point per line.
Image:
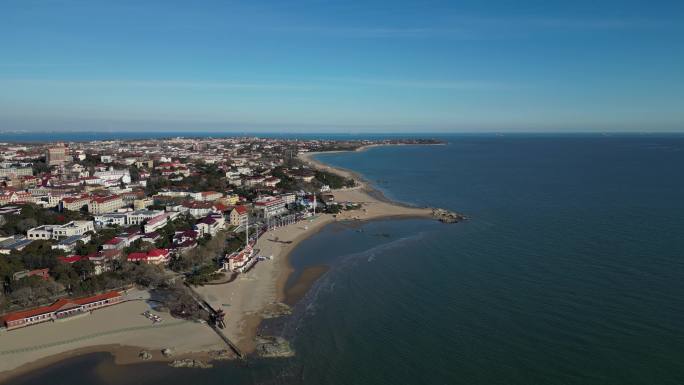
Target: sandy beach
123	331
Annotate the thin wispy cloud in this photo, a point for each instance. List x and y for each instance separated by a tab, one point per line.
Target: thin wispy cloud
325	83
476	28
422	84
112	83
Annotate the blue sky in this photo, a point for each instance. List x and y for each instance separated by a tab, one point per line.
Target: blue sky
342	66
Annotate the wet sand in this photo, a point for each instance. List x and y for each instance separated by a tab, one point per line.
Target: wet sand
301	286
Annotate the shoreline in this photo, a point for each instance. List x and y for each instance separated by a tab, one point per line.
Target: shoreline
246	299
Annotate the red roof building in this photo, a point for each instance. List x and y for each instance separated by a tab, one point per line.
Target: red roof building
61	309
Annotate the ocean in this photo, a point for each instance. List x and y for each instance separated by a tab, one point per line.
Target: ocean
570	271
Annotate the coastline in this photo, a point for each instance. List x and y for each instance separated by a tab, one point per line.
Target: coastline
244	300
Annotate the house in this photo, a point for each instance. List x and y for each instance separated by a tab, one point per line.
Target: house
154	257
115	243
62	309
185	240
238	216
211	224
151	237
240	261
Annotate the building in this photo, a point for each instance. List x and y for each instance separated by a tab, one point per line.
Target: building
114	176
154	257
69	244
62	309
103	205
240	261
211	224
74	203
16	242
239	216
112	219
206	196
140	204
270	206
138	217
159	221
289	198
13	172
57	155
271	181
231	199
73	228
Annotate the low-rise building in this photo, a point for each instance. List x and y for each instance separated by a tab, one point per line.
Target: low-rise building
68	244
154	257
211	224
14	243
73	228
61	309
159	221
206	196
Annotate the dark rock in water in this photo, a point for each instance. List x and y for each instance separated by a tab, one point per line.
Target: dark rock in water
446	216
190	363
273	347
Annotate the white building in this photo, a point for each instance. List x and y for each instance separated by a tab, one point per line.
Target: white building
159	221
61	231
112	175
270	206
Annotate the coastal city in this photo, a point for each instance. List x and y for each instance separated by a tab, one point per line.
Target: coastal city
180	231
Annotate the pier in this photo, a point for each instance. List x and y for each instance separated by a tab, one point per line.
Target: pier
217	321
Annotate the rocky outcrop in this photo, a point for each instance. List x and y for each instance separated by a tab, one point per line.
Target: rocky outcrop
222	354
273	347
275	310
145	355
446	216
190	363
168	352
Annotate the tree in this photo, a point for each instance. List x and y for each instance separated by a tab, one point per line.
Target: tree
84	268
